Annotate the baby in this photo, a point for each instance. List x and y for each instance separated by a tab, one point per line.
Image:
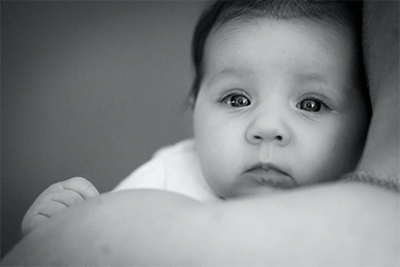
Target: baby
279	99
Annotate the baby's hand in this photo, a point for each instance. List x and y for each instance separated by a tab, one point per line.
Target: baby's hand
54	199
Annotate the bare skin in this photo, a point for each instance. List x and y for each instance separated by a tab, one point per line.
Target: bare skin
335	224
56	198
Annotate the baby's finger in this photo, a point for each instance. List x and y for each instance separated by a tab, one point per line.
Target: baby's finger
80	185
50	208
32	222
39	213
44	197
65	197
57	192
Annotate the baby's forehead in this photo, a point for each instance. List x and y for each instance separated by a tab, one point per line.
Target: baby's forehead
245	20
247	28
339	14
332	12
305	49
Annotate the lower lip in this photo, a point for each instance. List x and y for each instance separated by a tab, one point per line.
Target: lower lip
270	177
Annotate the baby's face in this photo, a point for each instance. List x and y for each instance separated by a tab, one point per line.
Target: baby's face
278	107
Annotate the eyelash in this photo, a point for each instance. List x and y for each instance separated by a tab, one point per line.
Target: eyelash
321	105
228	99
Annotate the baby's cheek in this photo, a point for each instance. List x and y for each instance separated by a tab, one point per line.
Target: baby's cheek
319	164
219	172
209	167
213	178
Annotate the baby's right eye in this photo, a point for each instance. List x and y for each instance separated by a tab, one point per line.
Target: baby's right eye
236	100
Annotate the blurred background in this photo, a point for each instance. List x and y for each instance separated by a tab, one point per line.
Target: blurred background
88	89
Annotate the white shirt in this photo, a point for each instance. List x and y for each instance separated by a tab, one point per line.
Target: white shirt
173	168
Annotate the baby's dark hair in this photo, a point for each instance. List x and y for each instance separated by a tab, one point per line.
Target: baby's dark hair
348	13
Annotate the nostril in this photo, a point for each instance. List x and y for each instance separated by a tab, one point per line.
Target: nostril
257	137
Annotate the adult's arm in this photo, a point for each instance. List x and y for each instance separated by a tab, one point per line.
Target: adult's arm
337	224
314	227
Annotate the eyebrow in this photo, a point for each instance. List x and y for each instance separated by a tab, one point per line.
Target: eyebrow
242	73
245	73
334	92
310	77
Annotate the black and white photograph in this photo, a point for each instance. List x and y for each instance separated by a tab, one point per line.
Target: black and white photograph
200	133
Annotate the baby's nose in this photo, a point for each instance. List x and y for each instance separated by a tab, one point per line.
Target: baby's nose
268	128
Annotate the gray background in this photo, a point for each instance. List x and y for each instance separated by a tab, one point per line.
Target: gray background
88	89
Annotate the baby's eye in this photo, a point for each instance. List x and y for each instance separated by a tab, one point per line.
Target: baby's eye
311	105
236	100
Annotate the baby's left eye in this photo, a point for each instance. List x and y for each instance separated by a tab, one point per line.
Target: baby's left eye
311	105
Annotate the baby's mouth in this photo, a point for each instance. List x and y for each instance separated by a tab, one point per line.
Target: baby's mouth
269	175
